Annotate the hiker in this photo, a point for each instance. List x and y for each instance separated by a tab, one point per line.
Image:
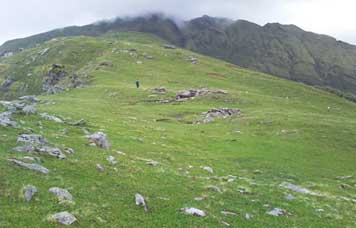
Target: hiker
137	84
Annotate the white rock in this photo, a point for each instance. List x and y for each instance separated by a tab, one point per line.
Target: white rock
209	169
193	211
112	160
276	212
296	188
227	213
152	163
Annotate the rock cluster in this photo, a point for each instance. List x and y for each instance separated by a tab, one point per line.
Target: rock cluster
192	93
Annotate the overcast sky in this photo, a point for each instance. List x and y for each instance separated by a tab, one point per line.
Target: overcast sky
19	18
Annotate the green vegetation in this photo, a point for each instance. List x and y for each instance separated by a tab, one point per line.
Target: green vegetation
286	131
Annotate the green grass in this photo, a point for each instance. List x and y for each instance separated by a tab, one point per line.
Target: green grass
286	131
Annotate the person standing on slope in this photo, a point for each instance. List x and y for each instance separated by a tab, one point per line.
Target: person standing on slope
137	84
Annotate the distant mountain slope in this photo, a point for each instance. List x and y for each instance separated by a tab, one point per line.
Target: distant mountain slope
282	50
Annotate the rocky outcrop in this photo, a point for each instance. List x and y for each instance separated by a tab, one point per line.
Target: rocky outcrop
192	93
30	166
53	79
214	113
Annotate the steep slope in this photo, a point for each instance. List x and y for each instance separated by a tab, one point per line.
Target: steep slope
286	132
282	50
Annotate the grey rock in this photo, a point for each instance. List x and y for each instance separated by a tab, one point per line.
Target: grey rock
214	188
152	163
34	159
160	90
99	139
64	218
48	117
208	169
140	201
169	46
24	149
29	191
289	197
30	99
193	211
344	177
100	167
296	188
276	212
31	139
61	193
192	93
29	109
34	167
218	113
69	150
228	213
112	160
51	151
80	122
5	120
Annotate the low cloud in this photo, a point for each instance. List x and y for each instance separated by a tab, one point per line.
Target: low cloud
23	18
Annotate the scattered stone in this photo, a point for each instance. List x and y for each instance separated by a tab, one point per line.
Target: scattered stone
192	60
64	218
147	56
169	46
112	160
30	99
289	197
121	153
276	212
160	90
225	223
51	118
139	62
51	151
140	201
152	163
106	64
24	149
193	211
100	168
199	198
296	188
62	194
34	167
5	120
80	122
34	159
31	139
29	191
69	150
218	113
228	213
344	177
192	93
248	216
100	140
209	169
214	188
29	109
257	171
231	178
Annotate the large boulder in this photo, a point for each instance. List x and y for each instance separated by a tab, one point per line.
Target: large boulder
100	140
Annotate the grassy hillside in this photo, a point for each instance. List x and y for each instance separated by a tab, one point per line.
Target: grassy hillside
287	132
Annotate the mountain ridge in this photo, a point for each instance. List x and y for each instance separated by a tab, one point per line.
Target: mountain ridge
285	51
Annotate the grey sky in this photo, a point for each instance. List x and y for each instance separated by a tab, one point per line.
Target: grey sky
19	18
